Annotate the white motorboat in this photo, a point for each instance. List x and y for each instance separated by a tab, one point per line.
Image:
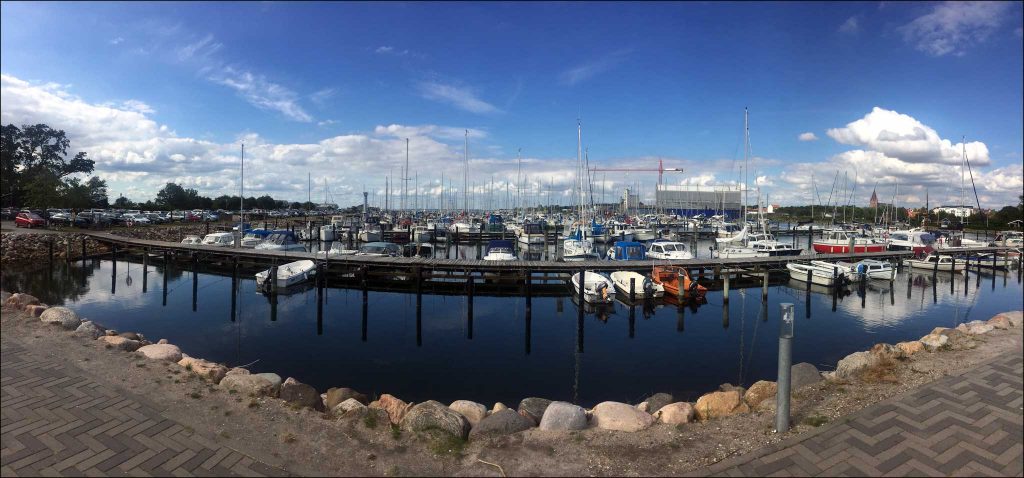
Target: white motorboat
643	286
280	241
868	268
422	234
575	250
219	239
500	250
767	243
251	240
597	289
369	235
288	274
668	250
940	263
644	234
1010	239
380	249
328	233
821	275
916	241
532	233
338	249
192	240
736	252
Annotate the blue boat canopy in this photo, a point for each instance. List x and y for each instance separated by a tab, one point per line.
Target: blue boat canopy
500	244
628	251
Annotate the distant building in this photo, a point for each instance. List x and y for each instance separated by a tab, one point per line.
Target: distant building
956	211
874	200
707	200
630	201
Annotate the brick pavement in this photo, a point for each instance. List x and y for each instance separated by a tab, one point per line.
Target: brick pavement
961	425
56	421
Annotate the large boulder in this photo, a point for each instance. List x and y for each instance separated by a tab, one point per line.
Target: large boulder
498	406
655	402
61	316
957	340
133	336
432	415
563	416
675	413
274	380
502	422
211	371
294	391
248	385
975	327
474	412
888	351
803	374
759	392
533	408
621	417
90	329
910	348
347	406
20	301
336	395
167	352
720	404
238	371
1015	318
396	408
853	364
999	322
119	342
933	342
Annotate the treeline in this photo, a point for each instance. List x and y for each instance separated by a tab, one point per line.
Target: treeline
37	173
993	219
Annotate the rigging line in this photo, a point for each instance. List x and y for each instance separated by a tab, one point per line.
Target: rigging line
968	160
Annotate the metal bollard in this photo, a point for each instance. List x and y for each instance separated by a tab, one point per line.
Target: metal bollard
786	324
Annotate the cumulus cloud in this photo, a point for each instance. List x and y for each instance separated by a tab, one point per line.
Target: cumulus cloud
588	70
850	26
953	27
461	97
904	138
808	136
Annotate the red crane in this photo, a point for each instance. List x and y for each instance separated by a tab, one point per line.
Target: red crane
661	170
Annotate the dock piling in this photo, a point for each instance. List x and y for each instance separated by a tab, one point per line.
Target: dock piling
632	290
469	306
725	287
764	287
145	269
167	266
195	281
83	252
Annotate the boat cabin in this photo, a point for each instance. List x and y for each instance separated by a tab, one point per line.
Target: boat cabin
627	251
380	249
221	239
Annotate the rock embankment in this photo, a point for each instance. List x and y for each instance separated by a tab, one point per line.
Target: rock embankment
33	249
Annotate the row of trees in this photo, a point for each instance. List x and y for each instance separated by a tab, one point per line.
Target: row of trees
175	197
35	170
992	219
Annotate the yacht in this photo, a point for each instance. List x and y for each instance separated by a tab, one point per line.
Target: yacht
766	243
500	250
919	242
668	250
219	239
380	249
838	241
280	241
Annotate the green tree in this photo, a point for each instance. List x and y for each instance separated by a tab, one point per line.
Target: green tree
35	164
124	203
97	192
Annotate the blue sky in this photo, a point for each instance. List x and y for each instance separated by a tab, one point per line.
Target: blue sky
167	91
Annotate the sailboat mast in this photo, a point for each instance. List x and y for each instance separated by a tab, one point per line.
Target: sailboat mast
465	180
746	159
405	176
241	199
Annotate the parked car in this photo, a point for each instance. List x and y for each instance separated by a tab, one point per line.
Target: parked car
135	220
29	220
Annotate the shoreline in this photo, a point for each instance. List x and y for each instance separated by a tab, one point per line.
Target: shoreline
727	418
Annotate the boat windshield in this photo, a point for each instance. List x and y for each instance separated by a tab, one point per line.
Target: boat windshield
279	239
670	247
500	250
927	238
373	249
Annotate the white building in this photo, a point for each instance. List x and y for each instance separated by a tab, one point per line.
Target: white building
630	201
956	211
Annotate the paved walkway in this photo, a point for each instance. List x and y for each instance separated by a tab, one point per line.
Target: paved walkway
964	425
55	421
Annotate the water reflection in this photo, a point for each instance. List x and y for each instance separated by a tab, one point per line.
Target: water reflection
504	348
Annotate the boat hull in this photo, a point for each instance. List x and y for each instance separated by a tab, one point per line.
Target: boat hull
825	248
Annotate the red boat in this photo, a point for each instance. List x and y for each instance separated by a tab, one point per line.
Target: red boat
668	277
838	242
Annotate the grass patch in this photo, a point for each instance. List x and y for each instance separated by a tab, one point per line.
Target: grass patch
815	420
225	435
189	430
576	437
188	367
883	371
444	443
396	432
370	420
288	437
294	406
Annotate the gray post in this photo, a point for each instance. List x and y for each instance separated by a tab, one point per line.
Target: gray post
145	269
786	324
764	287
632	289
725	289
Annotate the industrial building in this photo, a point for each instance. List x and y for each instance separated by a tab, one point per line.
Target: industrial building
707	200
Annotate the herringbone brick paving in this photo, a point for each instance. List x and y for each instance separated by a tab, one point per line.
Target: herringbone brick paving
965	425
55	421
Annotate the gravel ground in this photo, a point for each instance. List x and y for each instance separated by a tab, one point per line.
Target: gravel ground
306	442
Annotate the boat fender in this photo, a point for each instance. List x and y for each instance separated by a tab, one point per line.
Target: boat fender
693	286
861	269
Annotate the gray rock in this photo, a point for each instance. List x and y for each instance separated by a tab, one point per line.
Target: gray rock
852	364
294	391
248	385
274	380
90	329
161	352
655	402
620	416
347	406
132	336
474	412
336	395
533	408
502	422
118	342
61	316
803	374
20	301
563	416
432	415
933	342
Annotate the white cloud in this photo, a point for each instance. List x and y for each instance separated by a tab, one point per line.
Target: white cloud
588	70
260	92
201	48
320	97
808	136
850	26
461	97
390	50
115	41
952	27
764	181
326	122
902	137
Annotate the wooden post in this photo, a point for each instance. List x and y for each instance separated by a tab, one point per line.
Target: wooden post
632	290
145	269
935	268
469	306
580	293
764	287
725	288
952	273
234	287
167	266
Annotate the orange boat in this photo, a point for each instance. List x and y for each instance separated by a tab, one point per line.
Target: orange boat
668	277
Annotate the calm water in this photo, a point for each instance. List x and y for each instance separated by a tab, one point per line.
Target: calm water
501	355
